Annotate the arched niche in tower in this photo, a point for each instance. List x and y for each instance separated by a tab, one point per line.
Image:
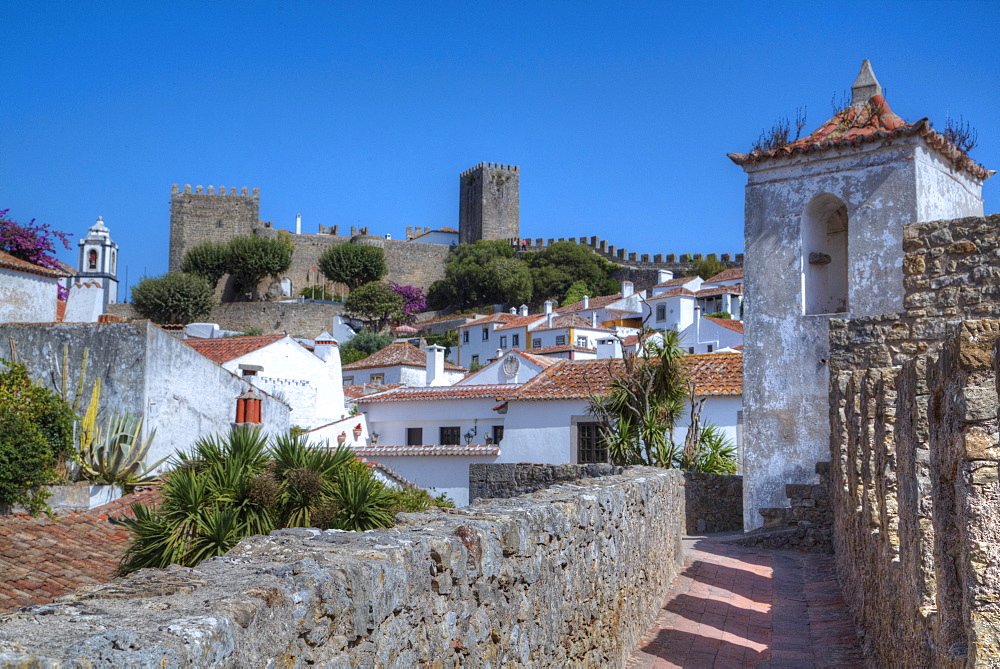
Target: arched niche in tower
824	255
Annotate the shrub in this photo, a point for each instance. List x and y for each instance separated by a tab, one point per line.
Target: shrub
376	304
209	260
353	264
251	258
175	299
362	345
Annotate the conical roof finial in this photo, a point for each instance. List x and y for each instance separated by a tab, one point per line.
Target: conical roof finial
865	86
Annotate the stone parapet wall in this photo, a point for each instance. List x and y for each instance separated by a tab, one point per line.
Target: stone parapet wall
563	577
306	319
505	480
712	503
917	505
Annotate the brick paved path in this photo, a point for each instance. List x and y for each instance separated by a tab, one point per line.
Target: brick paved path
749	607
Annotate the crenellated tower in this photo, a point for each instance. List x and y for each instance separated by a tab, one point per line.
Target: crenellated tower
201	216
489	203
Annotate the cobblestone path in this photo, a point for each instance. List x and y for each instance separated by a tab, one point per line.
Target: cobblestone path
749	607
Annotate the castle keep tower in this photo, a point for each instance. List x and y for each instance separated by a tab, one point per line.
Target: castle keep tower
823	235
489	203
200	217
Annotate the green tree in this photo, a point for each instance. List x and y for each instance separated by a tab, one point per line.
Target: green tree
36	434
174	298
209	260
558	266
707	267
362	345
251	258
447	339
481	274
353	264
376	304
575	293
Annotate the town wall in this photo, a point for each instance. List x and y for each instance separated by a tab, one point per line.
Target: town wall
299	319
913	420
505	583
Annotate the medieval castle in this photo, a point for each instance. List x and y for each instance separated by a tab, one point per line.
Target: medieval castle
489	208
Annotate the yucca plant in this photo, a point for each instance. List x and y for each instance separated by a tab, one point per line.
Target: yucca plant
364	502
117	453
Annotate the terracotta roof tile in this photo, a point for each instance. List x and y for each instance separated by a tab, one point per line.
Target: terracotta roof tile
521	321
355	391
44	558
482	450
736	289
562	321
871	122
731	274
593	303
225	349
677	281
673	292
545	350
712	373
502	317
10	262
728	323
399	353
423	394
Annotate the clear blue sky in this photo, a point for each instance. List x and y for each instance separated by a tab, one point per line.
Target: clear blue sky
619	114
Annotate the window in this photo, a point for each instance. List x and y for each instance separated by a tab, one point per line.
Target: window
709	348
92	259
486	334
590	446
691	350
450	435
414	436
536	343
465	336
581	341
515	340
497	434
661	312
503	341
377	378
475	359
348	380
560	340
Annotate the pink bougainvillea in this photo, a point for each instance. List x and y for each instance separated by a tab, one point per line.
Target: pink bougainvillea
33	242
414	300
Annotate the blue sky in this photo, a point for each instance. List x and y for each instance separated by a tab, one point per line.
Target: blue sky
619	114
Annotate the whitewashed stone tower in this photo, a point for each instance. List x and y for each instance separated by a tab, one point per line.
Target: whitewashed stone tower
823	235
99	261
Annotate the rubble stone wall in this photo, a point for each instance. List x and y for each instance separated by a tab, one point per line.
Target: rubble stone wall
562	577
489	480
914	431
712	503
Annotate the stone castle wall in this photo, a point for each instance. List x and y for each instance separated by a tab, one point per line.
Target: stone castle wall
201	216
489	202
561	577
300	319
914	455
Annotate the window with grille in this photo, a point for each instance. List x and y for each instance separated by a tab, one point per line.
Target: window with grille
486	334
581	341
536	343
450	435
515	340
465	336
590	446
560	340
503	341
414	436
661	312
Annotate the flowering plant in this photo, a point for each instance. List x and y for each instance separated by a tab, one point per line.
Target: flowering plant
414	300
33	242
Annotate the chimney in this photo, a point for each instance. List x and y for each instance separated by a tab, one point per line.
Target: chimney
663	275
298	224
627	288
499	353
593	319
549	316
325	346
586	301
548	306
697	325
524	309
513	311
435	366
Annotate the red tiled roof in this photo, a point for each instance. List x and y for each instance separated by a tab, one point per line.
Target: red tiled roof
678	281
712	373
43	558
592	303
399	353
540	360
731	274
728	323
225	349
423	394
736	289
562	321
10	262
354	391
502	317
484	450
521	321
673	292
871	122
447	229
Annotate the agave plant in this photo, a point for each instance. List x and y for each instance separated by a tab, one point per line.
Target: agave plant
116	453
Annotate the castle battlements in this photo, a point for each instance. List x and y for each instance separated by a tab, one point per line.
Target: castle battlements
491	166
200	190
623	256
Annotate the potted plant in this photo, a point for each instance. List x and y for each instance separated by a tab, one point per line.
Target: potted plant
357	431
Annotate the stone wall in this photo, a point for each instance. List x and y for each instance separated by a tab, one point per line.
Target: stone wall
562	577
305	319
504	480
209	217
916	501
712	503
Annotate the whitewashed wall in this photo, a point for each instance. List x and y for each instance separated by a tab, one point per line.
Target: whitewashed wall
27	298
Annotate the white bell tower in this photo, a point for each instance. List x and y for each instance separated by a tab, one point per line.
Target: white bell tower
99	261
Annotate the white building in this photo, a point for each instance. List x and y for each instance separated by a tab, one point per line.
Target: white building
443	235
403	363
99	262
29	293
309	381
519	408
